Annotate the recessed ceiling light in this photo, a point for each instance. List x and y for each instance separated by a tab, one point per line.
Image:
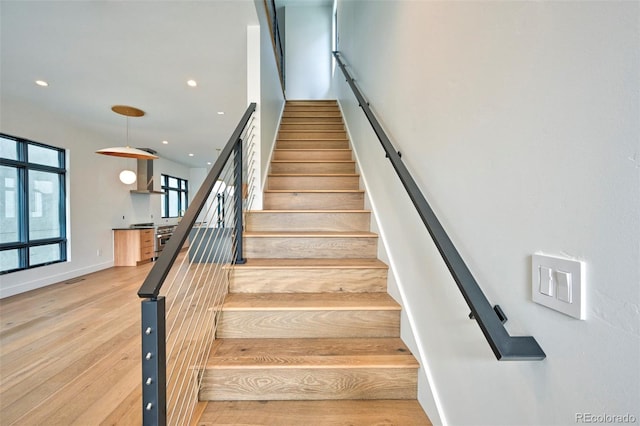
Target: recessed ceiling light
165	142
190	155
192	83
208	163
42	83
220	112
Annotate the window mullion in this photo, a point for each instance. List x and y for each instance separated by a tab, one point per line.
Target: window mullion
23	213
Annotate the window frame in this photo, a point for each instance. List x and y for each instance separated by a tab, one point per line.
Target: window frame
23	166
182	190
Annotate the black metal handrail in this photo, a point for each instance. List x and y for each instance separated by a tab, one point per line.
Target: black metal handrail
274	26
152	284
490	319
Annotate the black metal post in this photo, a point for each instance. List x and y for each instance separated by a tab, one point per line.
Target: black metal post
154	366
239	259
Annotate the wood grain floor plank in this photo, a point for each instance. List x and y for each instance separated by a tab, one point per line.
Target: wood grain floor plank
70	353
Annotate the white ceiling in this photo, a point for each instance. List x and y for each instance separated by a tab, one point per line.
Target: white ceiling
96	54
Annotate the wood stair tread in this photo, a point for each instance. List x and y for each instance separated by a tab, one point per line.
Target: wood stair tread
317	413
313	149
309	123
312	161
266	211
312	263
315	191
311	131
310	141
309	302
313	174
311	353
310	234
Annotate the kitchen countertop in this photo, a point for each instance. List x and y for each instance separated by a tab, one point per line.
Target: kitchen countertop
132	229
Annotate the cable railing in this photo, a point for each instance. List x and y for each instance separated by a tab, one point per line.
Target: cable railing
186	287
490	319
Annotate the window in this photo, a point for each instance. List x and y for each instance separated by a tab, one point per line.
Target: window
174	201
32	204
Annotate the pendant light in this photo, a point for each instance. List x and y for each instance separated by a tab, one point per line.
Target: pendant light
127	151
128	177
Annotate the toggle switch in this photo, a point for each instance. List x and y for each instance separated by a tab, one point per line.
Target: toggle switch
564	286
546	281
559	284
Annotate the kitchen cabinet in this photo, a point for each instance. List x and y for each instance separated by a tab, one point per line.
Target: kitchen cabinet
133	246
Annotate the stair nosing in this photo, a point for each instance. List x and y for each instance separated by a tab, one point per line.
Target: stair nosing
311	131
326	366
313	161
313	149
313	140
312	263
264	211
315	191
313	174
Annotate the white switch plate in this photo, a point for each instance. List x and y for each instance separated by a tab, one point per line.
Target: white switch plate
564	271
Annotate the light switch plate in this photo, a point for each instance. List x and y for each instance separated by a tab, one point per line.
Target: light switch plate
567	273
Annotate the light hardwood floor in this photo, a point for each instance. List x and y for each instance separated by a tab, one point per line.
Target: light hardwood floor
70	352
70	355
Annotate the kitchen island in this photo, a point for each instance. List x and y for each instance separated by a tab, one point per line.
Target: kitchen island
132	247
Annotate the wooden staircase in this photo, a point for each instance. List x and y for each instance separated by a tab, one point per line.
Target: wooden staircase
308	334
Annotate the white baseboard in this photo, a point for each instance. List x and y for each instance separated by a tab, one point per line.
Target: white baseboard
12	290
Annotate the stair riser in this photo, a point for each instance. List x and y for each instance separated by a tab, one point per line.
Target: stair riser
311	108
290	120
313	182
309	384
311	114
296	135
312	144
286	221
307	154
310	247
323	102
317	127
336	280
322	167
311	200
308	324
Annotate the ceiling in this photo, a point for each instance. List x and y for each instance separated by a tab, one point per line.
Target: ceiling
96	54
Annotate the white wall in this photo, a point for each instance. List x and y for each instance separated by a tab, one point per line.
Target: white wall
98	201
254	173
519	121
308	51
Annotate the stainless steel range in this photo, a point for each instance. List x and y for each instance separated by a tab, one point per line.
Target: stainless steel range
162	235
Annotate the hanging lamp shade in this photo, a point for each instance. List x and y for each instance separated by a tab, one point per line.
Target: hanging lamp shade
127	151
